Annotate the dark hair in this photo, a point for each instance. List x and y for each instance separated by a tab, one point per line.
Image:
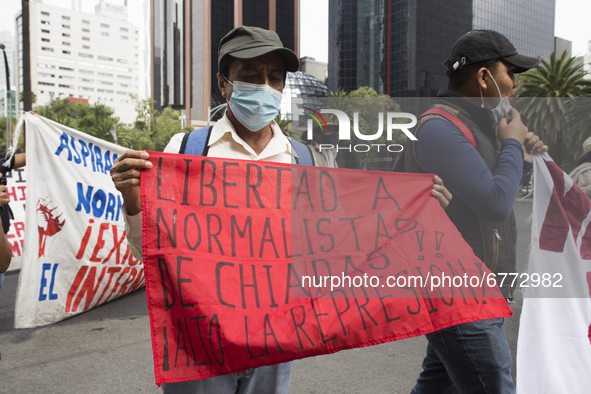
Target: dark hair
225	67
461	76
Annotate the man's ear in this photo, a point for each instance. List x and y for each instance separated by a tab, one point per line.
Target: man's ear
221	85
481	77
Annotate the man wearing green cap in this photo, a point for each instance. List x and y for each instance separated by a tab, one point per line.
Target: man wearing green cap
252	65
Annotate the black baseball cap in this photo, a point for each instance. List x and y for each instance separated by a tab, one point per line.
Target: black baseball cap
247	42
483	45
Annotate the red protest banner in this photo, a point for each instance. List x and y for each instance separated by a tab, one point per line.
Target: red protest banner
241	258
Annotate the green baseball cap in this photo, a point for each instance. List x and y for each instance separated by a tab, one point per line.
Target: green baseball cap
247	42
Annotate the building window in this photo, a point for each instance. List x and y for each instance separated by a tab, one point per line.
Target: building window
41	65
67	86
44	31
65	34
47	49
87	89
46	83
105	83
45	13
66	17
109	59
121	92
46	75
124	38
66	52
85	46
66	68
123	77
45	39
86	72
104	74
45	22
104	34
66	77
66	26
104	25
122	61
85	22
87	80
65	43
86	38
85	55
124	29
86	30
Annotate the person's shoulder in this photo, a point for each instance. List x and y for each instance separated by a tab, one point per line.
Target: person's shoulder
438	127
175	143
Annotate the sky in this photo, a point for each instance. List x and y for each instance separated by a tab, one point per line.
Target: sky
572	22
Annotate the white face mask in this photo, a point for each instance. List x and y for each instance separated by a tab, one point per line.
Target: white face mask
502	108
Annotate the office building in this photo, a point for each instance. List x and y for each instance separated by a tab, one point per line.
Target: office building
529	25
397	47
303	86
561	45
185	38
81	55
317	69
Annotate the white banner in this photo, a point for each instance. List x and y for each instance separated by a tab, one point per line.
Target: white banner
16	189
75	251
554	345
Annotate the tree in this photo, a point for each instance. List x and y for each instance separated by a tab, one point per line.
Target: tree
3	131
369	107
284	124
151	130
551	109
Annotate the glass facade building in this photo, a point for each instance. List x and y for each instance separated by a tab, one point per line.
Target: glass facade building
397	47
529	25
304	86
167	52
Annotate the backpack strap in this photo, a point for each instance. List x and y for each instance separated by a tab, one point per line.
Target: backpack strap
304	154
196	142
453	119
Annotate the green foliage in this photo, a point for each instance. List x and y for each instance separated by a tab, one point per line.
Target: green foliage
368	105
21	144
33	97
152	130
554	109
284	124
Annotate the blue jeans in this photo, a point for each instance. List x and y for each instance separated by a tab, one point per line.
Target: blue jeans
467	358
273	379
1	280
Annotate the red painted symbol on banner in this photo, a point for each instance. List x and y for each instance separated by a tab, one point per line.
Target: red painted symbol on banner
48	222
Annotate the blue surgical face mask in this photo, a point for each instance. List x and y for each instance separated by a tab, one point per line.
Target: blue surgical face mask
254	105
502	108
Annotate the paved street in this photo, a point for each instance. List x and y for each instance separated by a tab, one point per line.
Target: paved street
108	350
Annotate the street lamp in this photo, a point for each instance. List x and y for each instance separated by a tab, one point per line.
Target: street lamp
8	104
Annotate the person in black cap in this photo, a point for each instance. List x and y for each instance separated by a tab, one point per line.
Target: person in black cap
458	142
